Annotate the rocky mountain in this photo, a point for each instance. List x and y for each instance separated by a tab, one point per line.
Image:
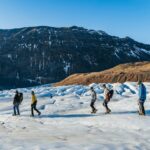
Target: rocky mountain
34	55
125	72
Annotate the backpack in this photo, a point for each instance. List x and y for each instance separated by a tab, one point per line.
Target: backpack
110	93
21	97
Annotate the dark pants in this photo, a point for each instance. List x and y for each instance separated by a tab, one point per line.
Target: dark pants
141	108
92	106
105	104
16	108
33	107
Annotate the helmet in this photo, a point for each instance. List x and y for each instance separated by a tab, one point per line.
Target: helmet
139	82
91	88
32	92
104	85
17	92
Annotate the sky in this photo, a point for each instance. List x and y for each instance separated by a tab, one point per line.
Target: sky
116	17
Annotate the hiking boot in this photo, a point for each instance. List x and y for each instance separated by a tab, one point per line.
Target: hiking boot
108	111
39	113
141	113
95	111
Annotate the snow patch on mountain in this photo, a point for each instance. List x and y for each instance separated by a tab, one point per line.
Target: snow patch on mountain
66	67
141	50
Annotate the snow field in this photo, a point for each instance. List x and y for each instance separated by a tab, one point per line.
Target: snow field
66	122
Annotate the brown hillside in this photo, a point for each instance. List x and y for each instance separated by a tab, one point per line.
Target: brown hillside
121	73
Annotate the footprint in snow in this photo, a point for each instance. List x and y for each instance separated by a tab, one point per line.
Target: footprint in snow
2	123
81	103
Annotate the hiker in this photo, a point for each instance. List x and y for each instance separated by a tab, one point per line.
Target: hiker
142	98
16	103
33	105
94	97
107	96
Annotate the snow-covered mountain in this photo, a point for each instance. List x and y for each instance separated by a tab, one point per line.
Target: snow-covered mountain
42	54
66	121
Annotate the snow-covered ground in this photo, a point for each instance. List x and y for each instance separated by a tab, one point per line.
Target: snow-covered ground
67	124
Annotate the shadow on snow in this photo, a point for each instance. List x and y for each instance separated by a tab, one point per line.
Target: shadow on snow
67	116
85	115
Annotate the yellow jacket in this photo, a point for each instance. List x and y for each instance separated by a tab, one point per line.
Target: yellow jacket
34	99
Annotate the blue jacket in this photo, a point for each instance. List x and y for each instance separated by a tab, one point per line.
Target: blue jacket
142	92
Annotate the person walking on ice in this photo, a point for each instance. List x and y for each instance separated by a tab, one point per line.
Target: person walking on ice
94	97
33	105
16	103
142	98
107	96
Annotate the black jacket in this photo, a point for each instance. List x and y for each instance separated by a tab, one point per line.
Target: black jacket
16	99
